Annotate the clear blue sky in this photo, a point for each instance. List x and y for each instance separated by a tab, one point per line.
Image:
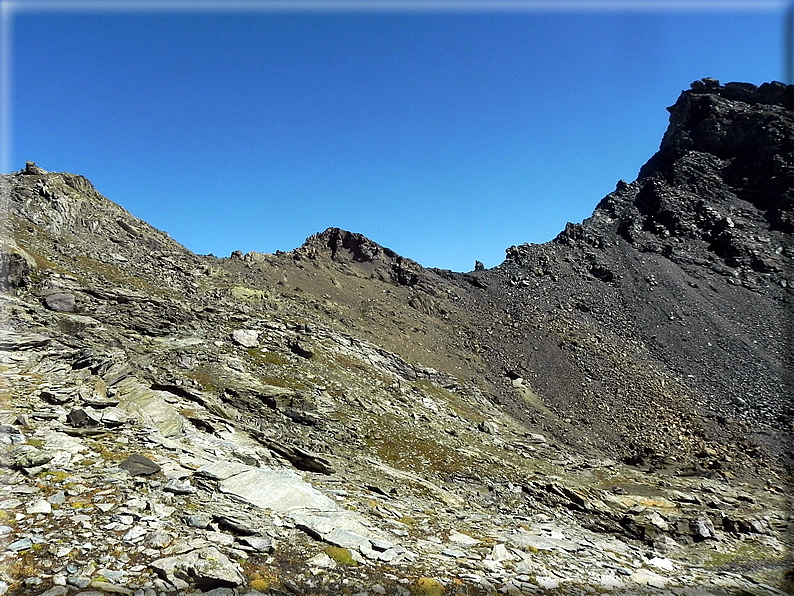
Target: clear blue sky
447	136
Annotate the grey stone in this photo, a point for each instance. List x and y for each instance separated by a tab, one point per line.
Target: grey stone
40	506
347	539
454	553
488	427
389	555
78	581
113	416
58	498
111	588
703	529
21	544
179	488
247	338
198	520
157	539
500	553
138	465
56	397
259	543
322	561
220	538
462	539
83	418
279	490
12	341
31	169
56	591
236	525
221	470
27	456
205	568
60	302
151	407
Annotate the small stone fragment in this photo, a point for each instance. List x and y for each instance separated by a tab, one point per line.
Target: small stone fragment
60	302
138	465
41	506
198	520
179	488
247	338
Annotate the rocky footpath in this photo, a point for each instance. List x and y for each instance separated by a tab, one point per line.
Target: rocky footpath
601	414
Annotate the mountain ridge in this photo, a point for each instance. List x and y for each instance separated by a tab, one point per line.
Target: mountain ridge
624	388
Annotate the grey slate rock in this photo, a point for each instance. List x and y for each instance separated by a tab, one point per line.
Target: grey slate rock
247	338
21	544
205	568
279	490
179	488
198	520
27	456
259	543
12	341
82	418
60	302
138	465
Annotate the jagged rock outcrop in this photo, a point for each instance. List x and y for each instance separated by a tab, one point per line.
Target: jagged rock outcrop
693	263
606	412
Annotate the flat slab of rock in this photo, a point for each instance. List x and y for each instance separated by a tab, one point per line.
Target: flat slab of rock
205	568
278	490
138	465
139	401
9	340
221	470
523	539
248	338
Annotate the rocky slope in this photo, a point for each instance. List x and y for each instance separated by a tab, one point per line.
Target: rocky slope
606	413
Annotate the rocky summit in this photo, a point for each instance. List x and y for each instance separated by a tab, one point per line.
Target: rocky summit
607	413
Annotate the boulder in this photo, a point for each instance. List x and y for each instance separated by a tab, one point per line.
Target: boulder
278	490
138	465
60	302
31	169
205	568
247	338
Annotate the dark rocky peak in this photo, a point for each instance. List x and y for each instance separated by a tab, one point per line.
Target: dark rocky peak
721	183
344	245
348	247
59	222
738	131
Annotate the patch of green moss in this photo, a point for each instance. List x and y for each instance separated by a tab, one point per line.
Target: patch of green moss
265	357
285	383
260	585
403	447
205	380
53	476
744	554
426	586
340	555
458	405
